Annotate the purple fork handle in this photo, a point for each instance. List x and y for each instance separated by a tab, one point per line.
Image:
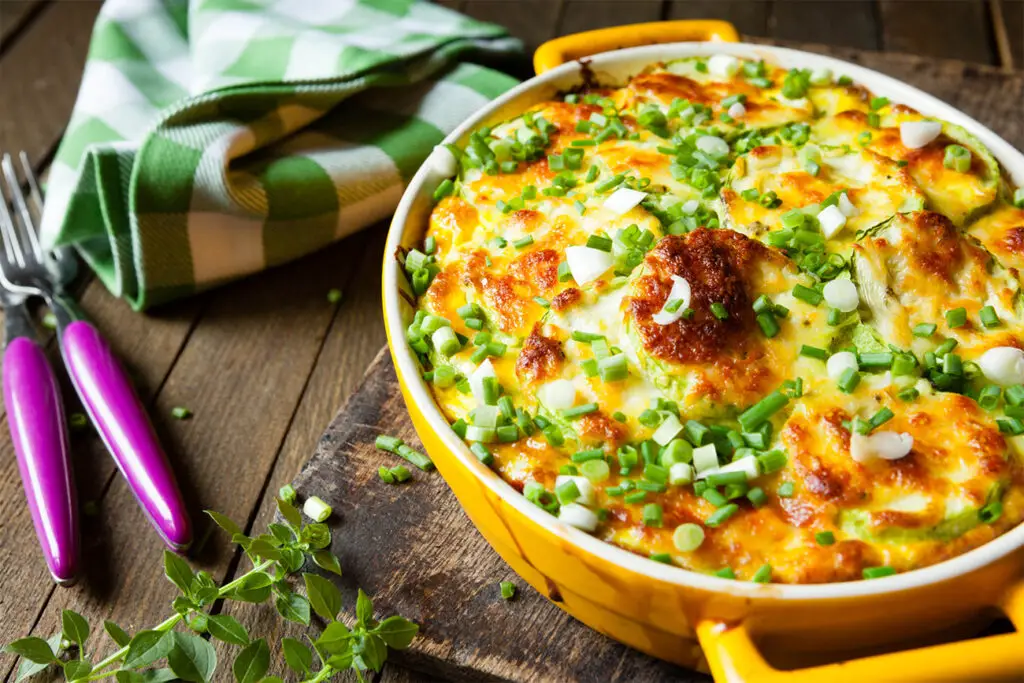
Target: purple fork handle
108	396
35	417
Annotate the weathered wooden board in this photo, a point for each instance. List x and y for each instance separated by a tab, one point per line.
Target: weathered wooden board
413	548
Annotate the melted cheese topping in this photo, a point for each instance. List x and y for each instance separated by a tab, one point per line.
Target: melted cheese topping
734	172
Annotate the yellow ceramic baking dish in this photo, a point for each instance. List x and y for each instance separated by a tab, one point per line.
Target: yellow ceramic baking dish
746	631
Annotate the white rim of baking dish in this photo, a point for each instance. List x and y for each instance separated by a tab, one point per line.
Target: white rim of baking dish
624	63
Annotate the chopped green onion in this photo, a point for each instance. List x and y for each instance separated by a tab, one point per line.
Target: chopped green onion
415	457
878	102
523	242
722	514
508	590
767	323
772	461
595	470
760	412
945	347
567	492
785	489
811	296
763	574
635	497
584	456
757	496
287	493
825	538
316	509
181	413
924	329
712	496
813	352
875	360
991	512
988	316
586	337
579	411
726	573
881	417
835	316
877	572
719	311
599	242
988	397
956	317
652	515
849	380
444	189
688	537
957	158
1015	395
908	394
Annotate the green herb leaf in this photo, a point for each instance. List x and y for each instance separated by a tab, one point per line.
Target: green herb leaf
325	559
296	655
226	628
364	610
116	633
146	647
178	571
317	535
252	662
74	627
292	559
371	652
282	533
192	658
293	607
341	661
260	547
397	632
28	668
76	669
224	522
254	588
290	513
198	621
33	649
324	596
335	639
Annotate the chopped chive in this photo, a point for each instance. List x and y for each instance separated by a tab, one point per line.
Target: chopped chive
712	496
881	417
835	316
877	572
811	296
726	478
592	174
387	443
444	189
635	497
908	394
722	514
523	242
763	574
988	317
766	321
956	317
945	347
849	380
610	183
719	311
924	329
599	242
875	360
591	454
760	412
813	352
825	538
579	411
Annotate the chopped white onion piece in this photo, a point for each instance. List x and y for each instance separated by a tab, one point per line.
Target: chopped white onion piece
690	207
747	466
831	220
847	207
680	292
821	76
1003	365
586	264
680	473
917	134
476	380
705	458
623	199
578	516
583	484
838	363
668	430
841	294
559	394
723	65
443	161
737	110
713	145
883	445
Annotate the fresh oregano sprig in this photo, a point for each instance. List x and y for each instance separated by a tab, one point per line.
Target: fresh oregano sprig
179	647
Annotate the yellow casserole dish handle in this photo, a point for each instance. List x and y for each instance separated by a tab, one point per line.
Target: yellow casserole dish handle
578	45
734	658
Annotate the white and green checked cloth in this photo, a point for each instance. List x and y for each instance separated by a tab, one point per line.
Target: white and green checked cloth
216	138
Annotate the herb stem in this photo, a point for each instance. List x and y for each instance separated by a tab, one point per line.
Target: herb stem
168	624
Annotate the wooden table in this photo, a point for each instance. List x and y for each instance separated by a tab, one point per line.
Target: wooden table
264	363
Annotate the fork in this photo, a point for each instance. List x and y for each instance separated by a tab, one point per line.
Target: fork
101	383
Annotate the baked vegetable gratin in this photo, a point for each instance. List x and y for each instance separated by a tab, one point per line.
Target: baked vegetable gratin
747	321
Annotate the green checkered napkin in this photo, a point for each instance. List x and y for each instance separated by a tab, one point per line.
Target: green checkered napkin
216	138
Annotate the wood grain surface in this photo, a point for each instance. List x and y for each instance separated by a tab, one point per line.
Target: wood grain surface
266	362
414	547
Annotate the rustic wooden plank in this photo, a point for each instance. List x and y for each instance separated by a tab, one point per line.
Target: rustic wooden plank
955	29
39	76
1008	25
584	15
354	339
749	16
413	549
14	16
853	23
242	373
